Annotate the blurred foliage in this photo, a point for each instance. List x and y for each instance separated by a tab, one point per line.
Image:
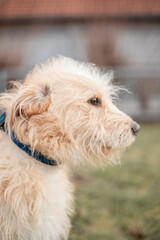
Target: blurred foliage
121	202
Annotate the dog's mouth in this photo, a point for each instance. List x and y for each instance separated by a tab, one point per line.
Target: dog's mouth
112	148
118	147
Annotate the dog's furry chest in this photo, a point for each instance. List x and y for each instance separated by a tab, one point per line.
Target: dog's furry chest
35	200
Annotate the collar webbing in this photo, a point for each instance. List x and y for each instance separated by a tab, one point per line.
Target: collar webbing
2	121
26	148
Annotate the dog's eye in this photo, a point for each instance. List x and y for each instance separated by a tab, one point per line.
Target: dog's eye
95	101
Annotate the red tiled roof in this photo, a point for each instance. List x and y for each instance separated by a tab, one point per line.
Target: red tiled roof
13	9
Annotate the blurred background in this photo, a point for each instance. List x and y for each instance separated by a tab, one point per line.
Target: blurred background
120	203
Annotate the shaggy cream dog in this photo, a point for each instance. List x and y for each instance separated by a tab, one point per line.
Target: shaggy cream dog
64	114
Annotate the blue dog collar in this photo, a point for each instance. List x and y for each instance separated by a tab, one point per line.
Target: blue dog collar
2	121
26	148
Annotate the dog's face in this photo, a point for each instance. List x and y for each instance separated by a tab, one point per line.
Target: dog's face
65	110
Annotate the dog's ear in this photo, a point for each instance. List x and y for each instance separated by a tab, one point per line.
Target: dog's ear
33	100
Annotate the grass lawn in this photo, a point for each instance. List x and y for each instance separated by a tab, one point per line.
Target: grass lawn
121	202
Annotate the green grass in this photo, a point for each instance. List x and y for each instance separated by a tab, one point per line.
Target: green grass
121	202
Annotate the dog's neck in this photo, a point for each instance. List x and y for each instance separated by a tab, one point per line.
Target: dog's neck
26	148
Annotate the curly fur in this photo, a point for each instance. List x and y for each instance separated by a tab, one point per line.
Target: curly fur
50	112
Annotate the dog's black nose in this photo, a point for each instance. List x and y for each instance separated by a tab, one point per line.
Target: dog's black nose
135	128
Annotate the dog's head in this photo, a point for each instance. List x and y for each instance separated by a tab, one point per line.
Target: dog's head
65	110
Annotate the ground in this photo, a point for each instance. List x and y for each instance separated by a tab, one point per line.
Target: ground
121	202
